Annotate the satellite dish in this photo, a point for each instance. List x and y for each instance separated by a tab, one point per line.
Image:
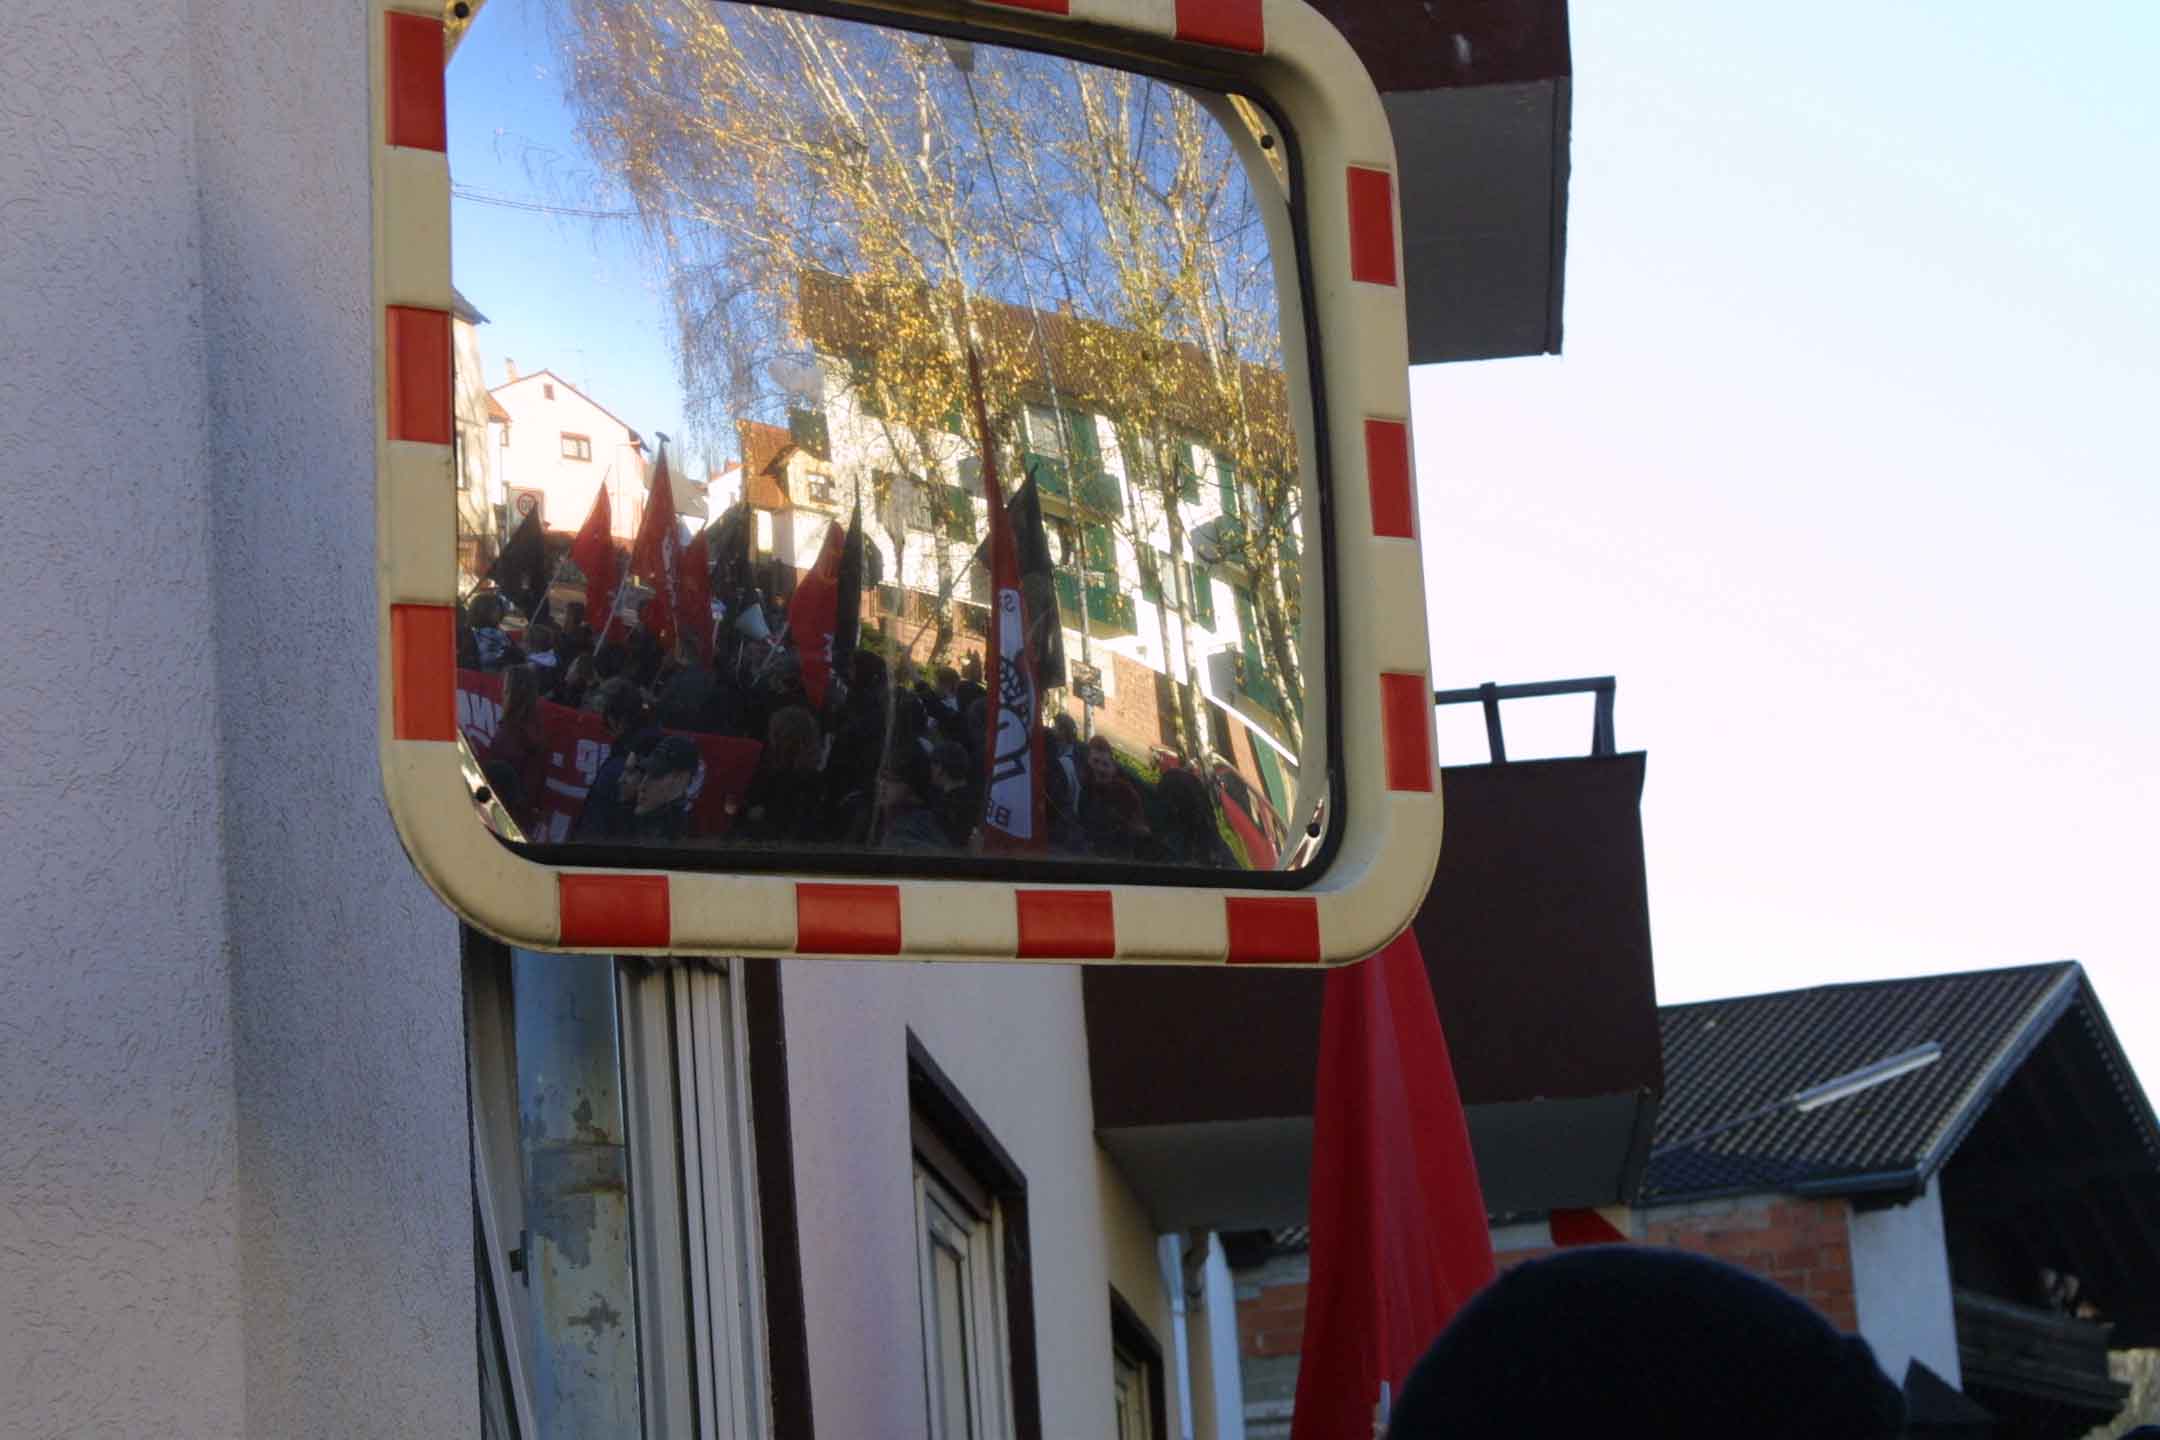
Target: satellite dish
797	377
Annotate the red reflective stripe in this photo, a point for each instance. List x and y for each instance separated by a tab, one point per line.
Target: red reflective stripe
1231	24
1387	465
423	672
1048	7
625	912
1372	225
1583	1227
1066	925
847	919
1406	707
419	373
413	65
1270	931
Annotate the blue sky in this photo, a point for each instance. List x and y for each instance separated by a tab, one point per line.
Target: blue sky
1848	472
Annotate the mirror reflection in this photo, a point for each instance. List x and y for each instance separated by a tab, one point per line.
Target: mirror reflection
872	441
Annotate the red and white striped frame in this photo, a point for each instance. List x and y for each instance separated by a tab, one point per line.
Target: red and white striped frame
1390	801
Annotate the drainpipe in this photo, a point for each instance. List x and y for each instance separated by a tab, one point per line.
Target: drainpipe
1170	1259
577	1247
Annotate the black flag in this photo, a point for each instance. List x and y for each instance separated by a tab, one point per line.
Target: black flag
847	619
1038	579
520	572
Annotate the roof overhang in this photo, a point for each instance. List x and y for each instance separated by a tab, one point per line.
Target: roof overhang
1536	938
1479	95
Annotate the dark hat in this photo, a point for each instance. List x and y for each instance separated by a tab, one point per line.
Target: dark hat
674	752
1626	1339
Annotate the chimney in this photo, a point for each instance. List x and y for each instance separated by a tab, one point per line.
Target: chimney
510	367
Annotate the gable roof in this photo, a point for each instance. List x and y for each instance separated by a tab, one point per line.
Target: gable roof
1726	1058
635	438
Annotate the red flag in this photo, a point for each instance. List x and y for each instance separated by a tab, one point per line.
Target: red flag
593	552
692	564
1399	1236
814	613
652	555
1013	817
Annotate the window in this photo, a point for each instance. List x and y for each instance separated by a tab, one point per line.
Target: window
976	1285
821	490
921	505
1136	1375
547	391
664	1064
576	447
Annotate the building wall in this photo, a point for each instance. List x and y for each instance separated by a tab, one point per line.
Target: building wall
119	1245
355	1202
234	1200
533	460
1804	1246
1901	1286
1011	1039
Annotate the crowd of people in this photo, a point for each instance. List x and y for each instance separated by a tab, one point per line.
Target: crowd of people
889	757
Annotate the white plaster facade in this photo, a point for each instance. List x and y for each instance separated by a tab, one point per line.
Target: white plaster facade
231	1051
548	417
1901	1285
234	1184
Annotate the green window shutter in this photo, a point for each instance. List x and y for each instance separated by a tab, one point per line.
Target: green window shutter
1099	548
1226	481
1049	473
807	429
959	514
1188	476
1068	595
1203	595
1151	576
862	377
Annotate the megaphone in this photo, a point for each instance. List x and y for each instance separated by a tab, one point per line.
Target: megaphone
751	623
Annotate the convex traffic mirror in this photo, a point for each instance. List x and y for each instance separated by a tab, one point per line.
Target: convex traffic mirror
895	503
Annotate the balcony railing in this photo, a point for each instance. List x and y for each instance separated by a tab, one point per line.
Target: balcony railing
1490	696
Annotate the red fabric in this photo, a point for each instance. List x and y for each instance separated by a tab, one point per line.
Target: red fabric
575	743
729	764
813	615
593	552
1013	815
1259	850
1399	1238
653	554
693	593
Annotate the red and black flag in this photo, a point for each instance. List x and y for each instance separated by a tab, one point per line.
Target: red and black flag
1013	816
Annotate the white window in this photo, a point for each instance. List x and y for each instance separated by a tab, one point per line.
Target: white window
679	1252
576	447
963	1313
1129	1386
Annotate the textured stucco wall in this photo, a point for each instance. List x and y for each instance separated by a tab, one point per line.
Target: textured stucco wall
119	1286
1011	1039
355	1205
233	1194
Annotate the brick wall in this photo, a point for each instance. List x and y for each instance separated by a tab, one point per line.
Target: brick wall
1803	1246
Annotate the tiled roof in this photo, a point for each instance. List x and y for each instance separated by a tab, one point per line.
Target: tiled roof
1726	1058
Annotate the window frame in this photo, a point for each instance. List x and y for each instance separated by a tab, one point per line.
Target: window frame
1130	1336
583	442
953	1147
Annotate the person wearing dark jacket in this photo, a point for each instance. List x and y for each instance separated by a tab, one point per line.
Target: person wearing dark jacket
1188	835
1112	813
611	803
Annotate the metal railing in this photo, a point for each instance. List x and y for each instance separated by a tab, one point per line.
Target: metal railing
1490	695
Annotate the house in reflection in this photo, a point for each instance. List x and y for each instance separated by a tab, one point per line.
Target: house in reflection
1165	591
